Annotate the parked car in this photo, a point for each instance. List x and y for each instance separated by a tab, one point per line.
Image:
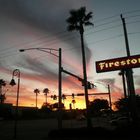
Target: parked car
120	121
80	118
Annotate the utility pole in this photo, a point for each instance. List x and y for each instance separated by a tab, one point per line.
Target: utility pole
129	76
60	91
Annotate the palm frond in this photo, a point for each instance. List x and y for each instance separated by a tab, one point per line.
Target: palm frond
81	13
2	82
88	16
36	91
71	28
72	20
73	13
78	18
88	23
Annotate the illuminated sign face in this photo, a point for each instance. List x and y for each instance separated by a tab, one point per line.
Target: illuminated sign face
118	63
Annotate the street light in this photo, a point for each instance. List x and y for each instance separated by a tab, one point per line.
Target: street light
16	72
51	51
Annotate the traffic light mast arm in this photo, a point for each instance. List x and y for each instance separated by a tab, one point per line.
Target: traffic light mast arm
89	84
72	74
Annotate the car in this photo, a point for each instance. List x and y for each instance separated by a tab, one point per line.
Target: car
80	118
120	121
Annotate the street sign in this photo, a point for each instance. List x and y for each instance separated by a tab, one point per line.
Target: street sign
118	63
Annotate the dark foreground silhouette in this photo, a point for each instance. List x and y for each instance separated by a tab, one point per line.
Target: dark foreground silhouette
127	132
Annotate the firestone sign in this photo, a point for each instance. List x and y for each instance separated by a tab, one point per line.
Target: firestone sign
118	63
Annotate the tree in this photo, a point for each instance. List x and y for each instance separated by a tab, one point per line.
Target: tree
56	106
46	91
123	104
36	91
98	104
46	107
2	98
2	95
77	20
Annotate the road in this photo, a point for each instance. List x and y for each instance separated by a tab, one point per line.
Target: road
39	129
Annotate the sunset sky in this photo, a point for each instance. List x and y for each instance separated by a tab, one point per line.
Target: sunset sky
42	23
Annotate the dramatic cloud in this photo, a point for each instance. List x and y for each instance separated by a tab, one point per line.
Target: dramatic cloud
42	23
30	19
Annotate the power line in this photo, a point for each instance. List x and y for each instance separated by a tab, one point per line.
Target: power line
64	32
54	41
73	48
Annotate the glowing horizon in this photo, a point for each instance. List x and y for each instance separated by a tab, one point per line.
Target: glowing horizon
25	25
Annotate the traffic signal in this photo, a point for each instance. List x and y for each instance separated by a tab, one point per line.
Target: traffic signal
54	97
72	95
63	96
90	85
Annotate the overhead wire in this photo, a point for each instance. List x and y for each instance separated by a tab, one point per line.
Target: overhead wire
53	41
64	32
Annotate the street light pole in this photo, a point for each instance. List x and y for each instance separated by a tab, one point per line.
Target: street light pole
16	72
49	50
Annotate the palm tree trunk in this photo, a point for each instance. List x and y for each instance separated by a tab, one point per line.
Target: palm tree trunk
36	100
85	77
46	98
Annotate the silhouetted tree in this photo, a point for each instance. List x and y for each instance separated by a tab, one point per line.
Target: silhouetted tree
46	107
2	95
98	104
56	105
36	91
2	98
77	20
123	104
46	91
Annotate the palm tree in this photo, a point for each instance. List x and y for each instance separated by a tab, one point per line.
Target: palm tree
77	20
36	91
2	96
46	91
